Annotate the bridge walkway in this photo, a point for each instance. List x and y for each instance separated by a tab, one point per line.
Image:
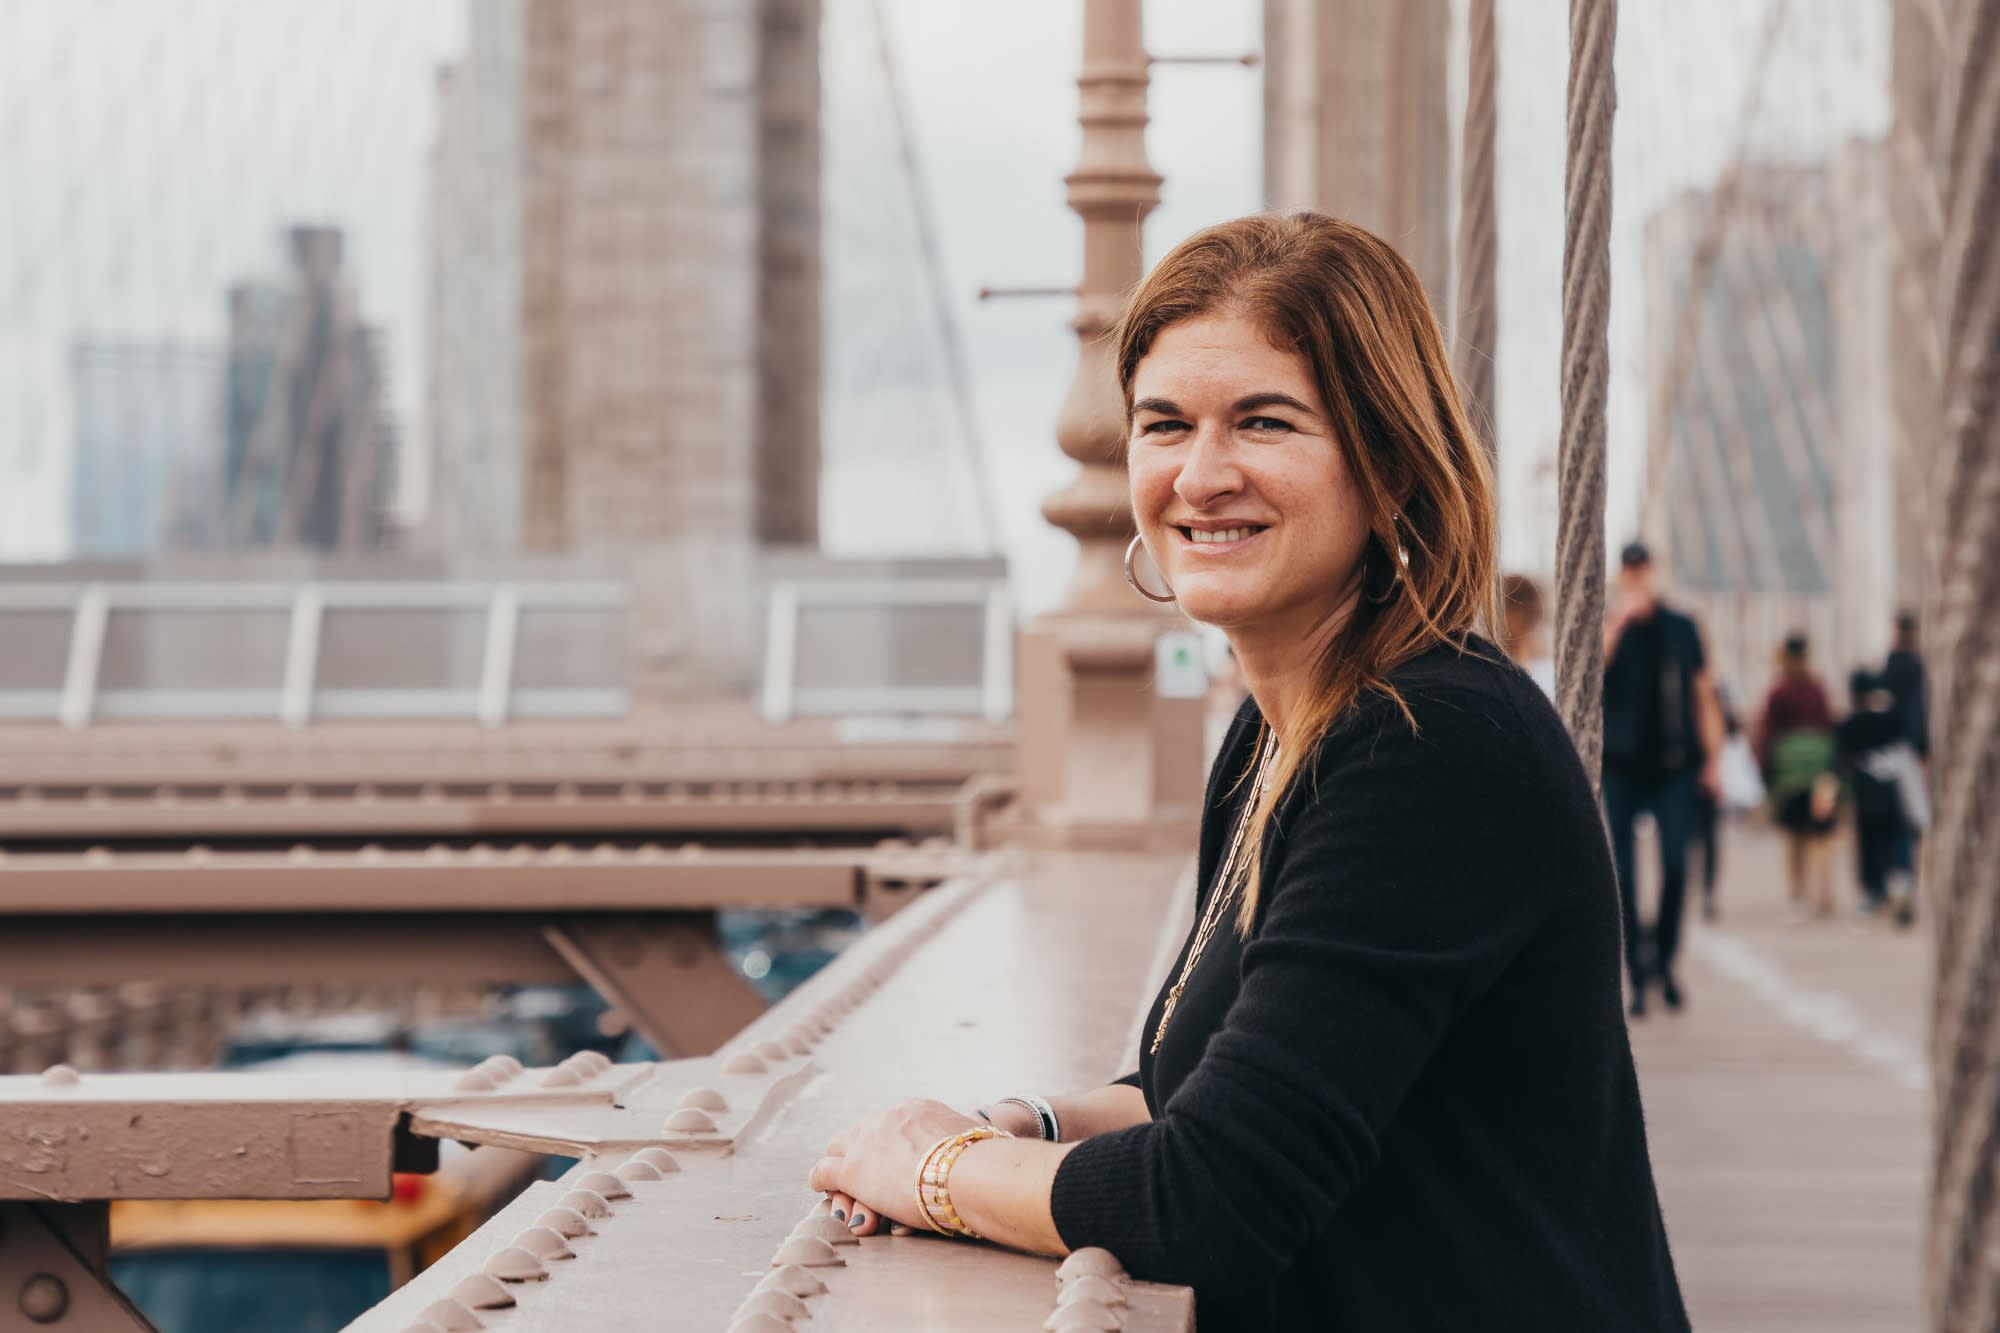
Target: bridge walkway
1788	1111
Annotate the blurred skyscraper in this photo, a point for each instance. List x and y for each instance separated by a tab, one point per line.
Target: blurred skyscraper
1778	485
625	300
310	452
148	429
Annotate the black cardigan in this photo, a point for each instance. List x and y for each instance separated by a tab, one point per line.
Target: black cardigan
1408	1102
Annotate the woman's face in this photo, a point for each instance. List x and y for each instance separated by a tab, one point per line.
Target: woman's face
1239	487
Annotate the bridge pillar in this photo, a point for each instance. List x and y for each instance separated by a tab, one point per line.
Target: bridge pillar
1105	760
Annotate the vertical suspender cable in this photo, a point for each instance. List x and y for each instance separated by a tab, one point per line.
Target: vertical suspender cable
1593	28
1962	860
1475	321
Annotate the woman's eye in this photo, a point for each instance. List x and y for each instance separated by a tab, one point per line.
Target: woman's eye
1266	423
1161	427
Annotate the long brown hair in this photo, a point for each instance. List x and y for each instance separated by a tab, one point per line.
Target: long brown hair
1346	301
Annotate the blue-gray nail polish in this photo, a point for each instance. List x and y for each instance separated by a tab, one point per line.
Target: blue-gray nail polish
840	1214
860	1220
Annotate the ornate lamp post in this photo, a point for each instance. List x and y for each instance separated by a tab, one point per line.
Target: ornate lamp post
1105	758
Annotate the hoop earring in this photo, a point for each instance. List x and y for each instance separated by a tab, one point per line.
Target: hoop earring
1400	571
1132	549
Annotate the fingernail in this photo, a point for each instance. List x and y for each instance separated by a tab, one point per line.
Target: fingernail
840	1214
860	1219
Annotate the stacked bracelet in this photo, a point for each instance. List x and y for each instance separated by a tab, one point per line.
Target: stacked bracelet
934	1181
1047	1127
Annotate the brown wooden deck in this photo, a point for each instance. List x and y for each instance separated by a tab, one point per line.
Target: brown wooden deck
1788	1122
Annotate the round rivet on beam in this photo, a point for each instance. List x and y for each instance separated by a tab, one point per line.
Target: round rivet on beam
44	1298
514	1264
807	1252
659	1159
606	1184
793	1280
771	1050
561	1077
473	1080
778	1304
586	1203
687	1120
798	1042
451	1316
637	1170
759	1322
544	1243
704	1099
1091	1260
826	1229
499	1068
481	1292
423	1326
1085	1317
60	1076
565	1222
1091	1287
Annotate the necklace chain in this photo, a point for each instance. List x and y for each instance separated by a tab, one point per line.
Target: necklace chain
1220	899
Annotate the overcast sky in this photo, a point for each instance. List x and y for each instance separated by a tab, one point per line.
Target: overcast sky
151	151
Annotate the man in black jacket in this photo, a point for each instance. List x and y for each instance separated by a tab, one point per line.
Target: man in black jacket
1663	732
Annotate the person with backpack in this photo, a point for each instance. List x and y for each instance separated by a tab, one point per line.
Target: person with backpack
1797	748
1663	739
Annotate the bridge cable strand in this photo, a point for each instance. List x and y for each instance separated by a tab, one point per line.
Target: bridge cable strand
1962	861
1707	254
1593	27
1475	321
951	340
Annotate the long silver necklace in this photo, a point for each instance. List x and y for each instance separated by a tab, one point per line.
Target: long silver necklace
1224	894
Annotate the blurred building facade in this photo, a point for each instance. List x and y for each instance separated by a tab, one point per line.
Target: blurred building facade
1356	121
1778	485
627	334
309	451
147	419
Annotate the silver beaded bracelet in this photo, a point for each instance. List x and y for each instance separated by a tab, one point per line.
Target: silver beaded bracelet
1047	1127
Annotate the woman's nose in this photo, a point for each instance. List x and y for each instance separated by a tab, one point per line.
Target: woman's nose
1207	473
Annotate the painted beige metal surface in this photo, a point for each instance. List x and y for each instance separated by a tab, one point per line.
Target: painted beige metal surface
189	811
703	740
1030	982
522	879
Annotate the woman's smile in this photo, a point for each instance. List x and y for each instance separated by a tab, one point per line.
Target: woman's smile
1210	541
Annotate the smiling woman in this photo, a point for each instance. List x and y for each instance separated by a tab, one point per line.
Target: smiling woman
1388	1085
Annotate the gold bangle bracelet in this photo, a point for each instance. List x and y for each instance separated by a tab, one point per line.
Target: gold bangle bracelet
934	1181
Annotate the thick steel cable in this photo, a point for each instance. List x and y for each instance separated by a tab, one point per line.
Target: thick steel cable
1962	860
1475	322
1593	29
1702	262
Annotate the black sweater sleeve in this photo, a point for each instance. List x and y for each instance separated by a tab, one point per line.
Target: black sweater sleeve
1407	877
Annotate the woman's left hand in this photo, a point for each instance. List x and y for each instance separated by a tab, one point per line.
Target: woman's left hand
870	1168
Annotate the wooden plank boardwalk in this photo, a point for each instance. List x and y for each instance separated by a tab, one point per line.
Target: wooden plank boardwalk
1788	1112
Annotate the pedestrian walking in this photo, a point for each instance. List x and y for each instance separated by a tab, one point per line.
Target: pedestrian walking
1798	751
1706	834
1886	783
1386	1085
1522	613
1903	676
1663	737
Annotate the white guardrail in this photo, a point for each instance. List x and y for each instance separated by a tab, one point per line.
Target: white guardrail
297	698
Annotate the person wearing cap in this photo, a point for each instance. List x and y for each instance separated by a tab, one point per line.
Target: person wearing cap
1663	733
